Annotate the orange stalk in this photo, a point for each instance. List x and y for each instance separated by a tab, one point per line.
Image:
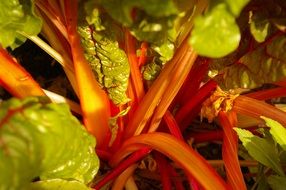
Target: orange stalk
93	99
54	15
121	180
179	74
177	150
153	96
15	79
229	151
136	79
256	108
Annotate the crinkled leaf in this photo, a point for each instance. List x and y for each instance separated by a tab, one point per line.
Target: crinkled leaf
57	184
277	131
277	182
266	64
99	37
17	16
216	33
260	149
39	139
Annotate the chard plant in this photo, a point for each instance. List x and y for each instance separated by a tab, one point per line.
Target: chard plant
144	71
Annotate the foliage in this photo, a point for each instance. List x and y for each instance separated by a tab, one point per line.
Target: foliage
143	72
267	150
21	19
41	139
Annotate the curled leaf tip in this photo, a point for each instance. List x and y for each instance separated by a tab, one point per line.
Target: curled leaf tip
219	101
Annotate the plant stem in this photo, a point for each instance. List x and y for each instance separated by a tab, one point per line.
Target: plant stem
268	94
177	150
152	97
136	79
15	79
94	101
136	156
255	108
197	99
229	151
179	74
121	180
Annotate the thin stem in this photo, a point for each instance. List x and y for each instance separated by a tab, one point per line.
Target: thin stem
49	50
136	79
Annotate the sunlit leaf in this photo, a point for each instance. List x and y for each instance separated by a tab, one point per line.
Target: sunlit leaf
43	140
17	16
277	131
260	149
216	33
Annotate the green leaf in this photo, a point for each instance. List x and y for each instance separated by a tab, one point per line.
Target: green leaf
277	182
265	64
100	37
57	184
260	149
17	16
216	33
236	6
277	131
120	10
40	139
259	26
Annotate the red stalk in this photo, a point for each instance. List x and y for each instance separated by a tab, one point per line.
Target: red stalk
197	99
164	171
143	57
268	94
136	156
200	137
195	78
176	179
229	151
103	154
172	125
